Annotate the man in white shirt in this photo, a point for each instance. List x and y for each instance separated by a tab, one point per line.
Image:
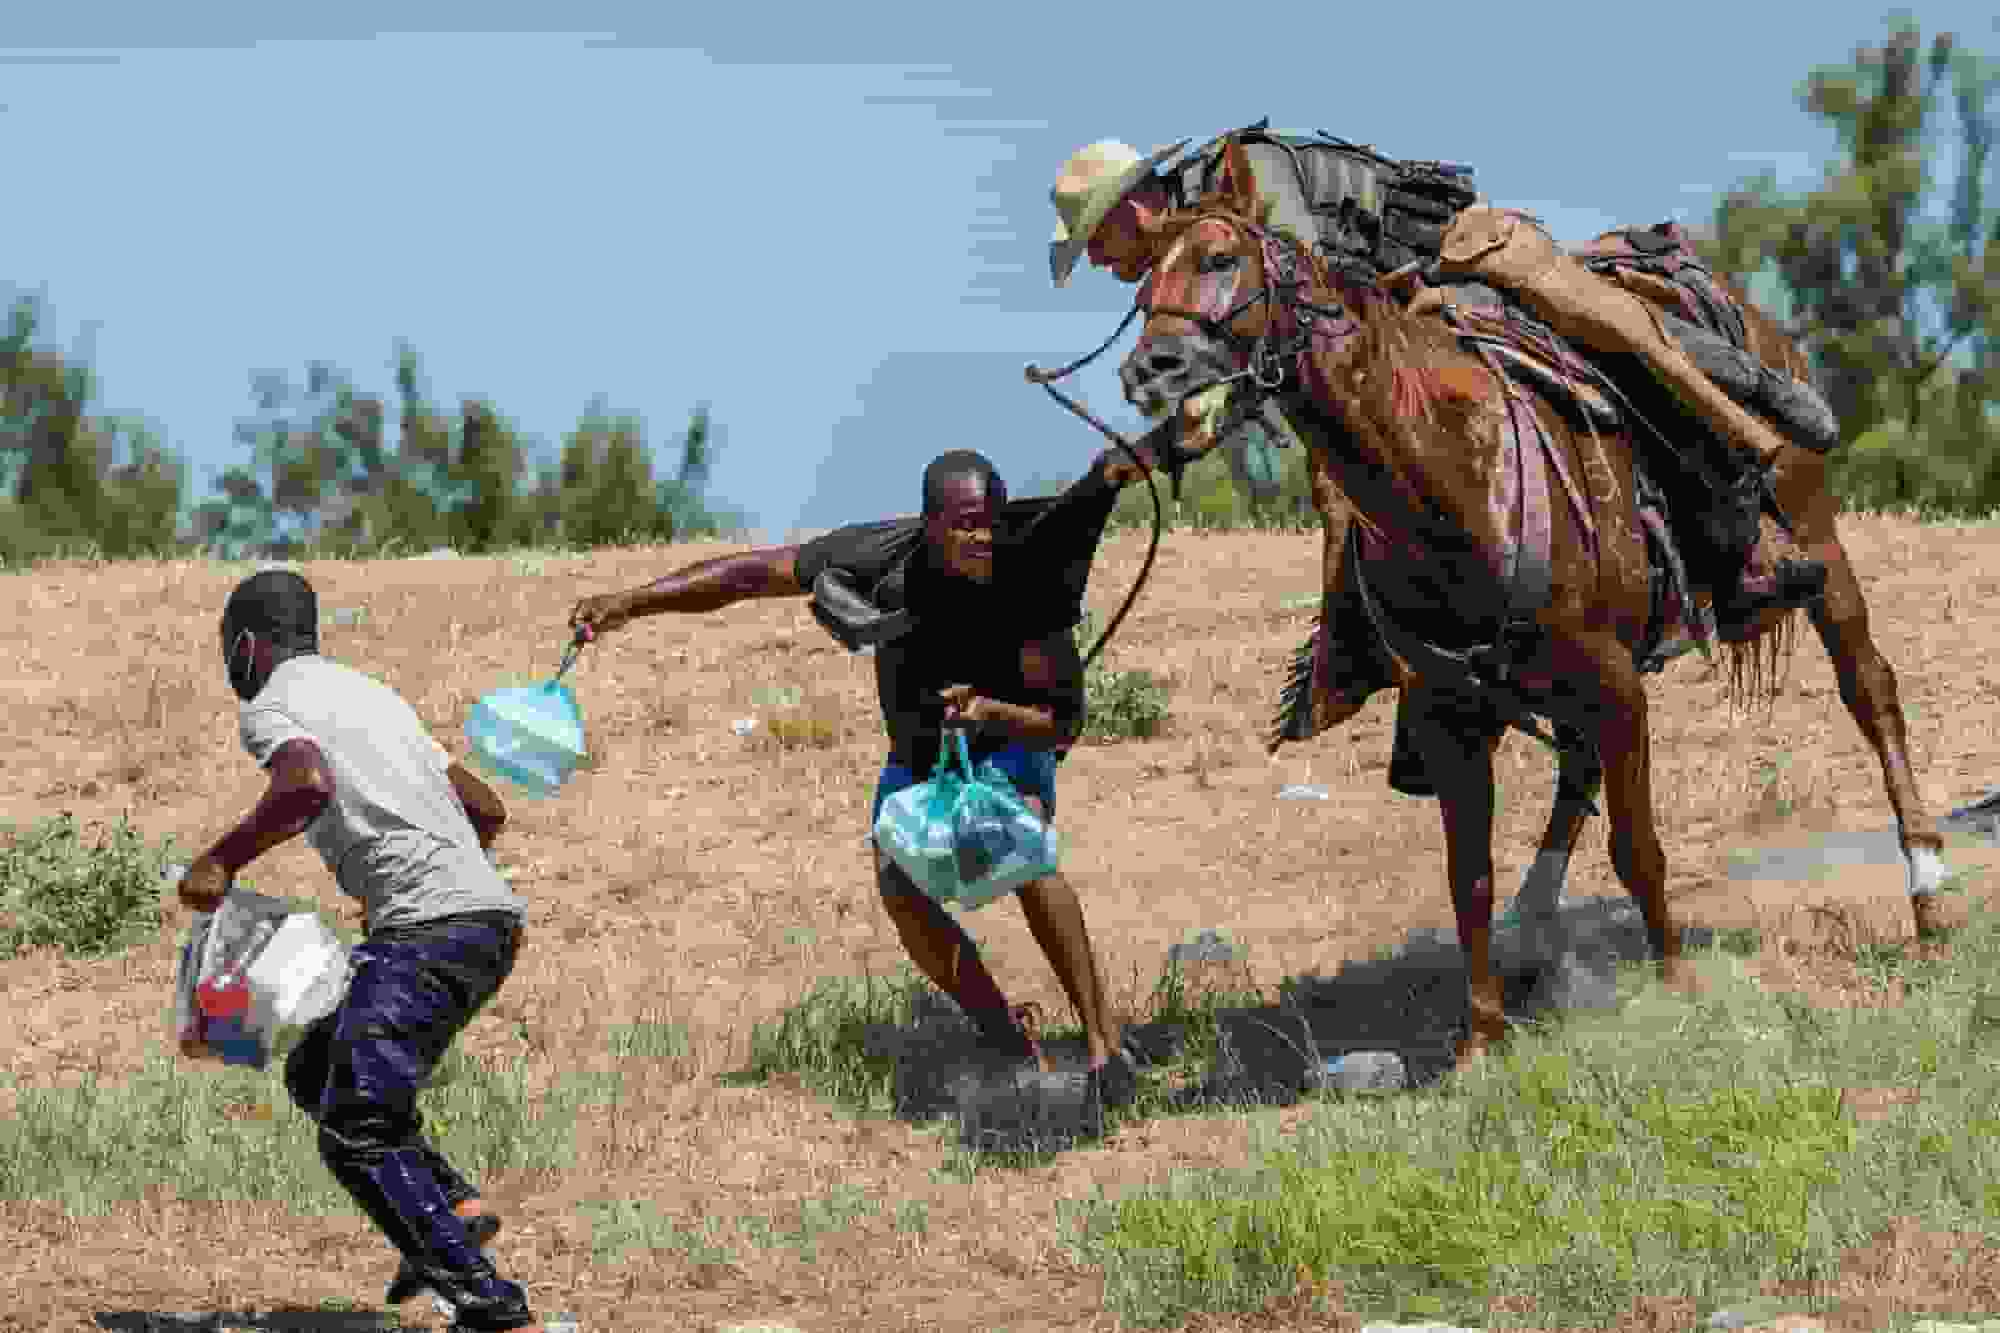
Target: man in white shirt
405	830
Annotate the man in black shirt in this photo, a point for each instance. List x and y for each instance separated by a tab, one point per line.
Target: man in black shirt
970	610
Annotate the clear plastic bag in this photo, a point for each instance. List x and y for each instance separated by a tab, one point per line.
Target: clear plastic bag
251	973
966	837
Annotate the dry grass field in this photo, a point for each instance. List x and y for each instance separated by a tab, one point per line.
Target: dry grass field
706	878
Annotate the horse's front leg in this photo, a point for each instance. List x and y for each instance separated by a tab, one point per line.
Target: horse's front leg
1456	739
1624	744
1868	688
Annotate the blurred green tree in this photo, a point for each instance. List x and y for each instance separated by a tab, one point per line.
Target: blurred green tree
1888	270
73	480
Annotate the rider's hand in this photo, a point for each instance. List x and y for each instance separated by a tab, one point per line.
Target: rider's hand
602	613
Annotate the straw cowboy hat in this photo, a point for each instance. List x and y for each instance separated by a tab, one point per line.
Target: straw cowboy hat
1090	185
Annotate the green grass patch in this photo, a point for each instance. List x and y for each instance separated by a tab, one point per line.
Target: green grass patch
1671	1149
801	1226
650	1039
821	1039
620	1226
86	890
1119	705
215	1132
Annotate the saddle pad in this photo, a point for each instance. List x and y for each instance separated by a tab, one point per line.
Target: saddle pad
1535	358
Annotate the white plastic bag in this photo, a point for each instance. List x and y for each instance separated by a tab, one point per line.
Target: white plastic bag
267	969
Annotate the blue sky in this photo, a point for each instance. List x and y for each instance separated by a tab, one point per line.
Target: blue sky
828	222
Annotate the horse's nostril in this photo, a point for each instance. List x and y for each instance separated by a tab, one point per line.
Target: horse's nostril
1166	363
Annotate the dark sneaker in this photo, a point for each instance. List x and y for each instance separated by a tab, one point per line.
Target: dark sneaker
410	1282
499	1315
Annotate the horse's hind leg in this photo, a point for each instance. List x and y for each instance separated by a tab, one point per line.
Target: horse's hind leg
1457	740
1868	688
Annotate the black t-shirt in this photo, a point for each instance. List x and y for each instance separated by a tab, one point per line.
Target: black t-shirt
966	633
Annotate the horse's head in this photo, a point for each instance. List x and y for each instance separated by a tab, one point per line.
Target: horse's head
1221	306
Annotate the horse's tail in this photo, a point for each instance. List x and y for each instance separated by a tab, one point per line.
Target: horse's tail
1296	711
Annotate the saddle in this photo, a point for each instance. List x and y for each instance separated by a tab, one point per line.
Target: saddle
1534	357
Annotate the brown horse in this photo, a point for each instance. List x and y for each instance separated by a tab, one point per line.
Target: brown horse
1497	545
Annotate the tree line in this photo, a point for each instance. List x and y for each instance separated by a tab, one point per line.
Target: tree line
1887	270
319	473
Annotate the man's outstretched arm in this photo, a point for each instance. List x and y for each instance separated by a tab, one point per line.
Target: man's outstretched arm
708	585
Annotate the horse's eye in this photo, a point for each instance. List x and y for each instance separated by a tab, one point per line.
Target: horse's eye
1219	263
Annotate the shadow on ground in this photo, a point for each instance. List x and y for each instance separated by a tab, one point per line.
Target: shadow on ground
1408	1010
275	1321
1411	1006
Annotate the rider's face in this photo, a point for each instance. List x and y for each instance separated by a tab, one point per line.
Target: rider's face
1124	241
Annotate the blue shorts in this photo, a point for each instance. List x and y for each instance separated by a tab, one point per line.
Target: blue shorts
1033	773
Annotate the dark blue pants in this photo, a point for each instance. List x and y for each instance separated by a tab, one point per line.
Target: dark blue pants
357	1072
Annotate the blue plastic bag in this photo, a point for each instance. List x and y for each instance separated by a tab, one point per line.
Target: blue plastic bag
531	735
965	837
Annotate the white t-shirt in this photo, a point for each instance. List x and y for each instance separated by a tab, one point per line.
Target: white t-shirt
394	835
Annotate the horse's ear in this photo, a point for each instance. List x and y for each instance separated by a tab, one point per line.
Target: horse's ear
1238	185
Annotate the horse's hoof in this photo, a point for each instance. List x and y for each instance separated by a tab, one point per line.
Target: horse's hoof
1680	977
1934	929
1468	1052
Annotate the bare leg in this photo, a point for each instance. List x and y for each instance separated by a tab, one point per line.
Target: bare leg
1457	746
942	951
1055	916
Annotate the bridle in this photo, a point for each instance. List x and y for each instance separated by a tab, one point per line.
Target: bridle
1292	325
1266	362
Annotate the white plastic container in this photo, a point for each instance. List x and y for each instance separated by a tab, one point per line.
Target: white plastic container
299	977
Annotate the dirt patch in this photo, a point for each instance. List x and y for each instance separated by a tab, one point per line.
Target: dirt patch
696	876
